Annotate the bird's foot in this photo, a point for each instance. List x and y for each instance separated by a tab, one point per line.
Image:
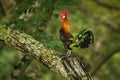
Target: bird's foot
67	55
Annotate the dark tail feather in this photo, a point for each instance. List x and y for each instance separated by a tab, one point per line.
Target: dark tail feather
85	38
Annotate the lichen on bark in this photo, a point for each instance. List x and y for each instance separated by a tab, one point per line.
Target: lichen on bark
70	68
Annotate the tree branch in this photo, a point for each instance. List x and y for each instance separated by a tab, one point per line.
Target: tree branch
19	69
70	68
103	61
107	5
112	26
8	7
107	23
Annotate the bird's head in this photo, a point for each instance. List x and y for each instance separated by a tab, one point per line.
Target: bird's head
63	14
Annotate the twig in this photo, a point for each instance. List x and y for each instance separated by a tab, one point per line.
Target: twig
114	27
19	69
103	61
107	5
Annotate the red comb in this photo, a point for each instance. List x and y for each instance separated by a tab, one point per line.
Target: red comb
64	12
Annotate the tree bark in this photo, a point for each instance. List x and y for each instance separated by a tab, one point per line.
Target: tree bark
70	68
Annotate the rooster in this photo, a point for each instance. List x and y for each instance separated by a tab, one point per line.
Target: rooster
85	37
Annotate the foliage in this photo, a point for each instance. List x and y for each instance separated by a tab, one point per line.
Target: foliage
40	19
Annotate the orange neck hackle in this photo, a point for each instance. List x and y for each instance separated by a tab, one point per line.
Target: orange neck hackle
65	21
66	25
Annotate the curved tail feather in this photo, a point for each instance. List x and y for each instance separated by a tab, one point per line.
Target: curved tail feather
85	38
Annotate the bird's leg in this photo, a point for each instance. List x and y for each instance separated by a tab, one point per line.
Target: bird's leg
67	55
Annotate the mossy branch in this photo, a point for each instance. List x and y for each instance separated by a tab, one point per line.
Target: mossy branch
70	68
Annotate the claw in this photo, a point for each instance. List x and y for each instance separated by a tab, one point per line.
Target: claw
67	55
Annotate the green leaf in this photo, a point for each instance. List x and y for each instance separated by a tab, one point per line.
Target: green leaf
75	36
56	15
80	23
72	45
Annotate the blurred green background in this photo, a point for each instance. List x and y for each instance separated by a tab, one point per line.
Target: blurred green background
40	19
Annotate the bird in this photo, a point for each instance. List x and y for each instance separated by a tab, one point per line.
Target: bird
84	38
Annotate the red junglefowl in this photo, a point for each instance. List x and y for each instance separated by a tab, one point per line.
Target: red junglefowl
85	37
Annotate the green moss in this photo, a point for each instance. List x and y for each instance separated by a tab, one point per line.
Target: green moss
4	32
